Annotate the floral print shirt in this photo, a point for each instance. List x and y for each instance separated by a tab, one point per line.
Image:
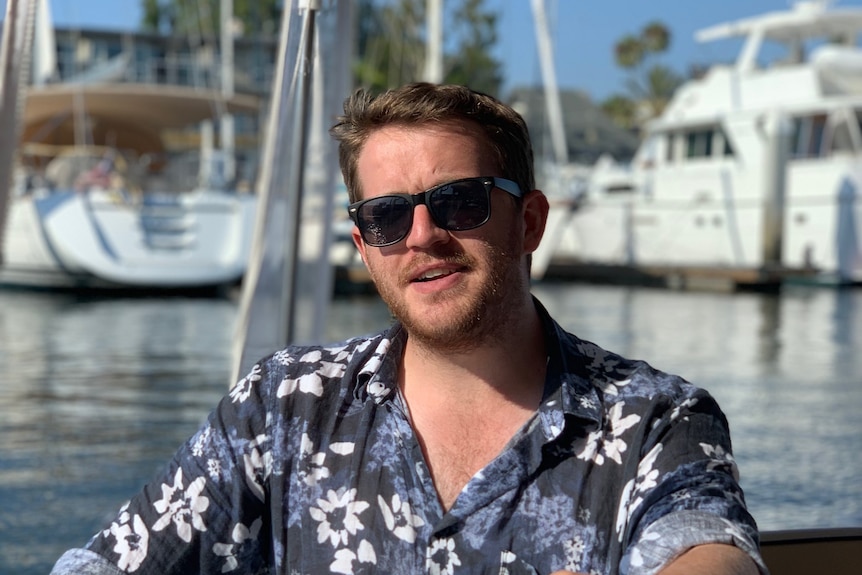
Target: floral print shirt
310	465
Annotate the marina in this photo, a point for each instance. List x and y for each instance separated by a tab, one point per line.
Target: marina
98	391
96	394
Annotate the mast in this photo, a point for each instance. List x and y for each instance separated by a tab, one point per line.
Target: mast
288	284
552	92
17	42
434	41
227	88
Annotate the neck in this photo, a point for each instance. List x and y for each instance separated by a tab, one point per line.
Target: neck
508	366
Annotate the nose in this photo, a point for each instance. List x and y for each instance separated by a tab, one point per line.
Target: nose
424	232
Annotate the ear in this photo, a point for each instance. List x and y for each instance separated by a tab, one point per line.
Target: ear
360	245
535	217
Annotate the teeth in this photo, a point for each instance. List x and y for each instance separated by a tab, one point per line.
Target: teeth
433	274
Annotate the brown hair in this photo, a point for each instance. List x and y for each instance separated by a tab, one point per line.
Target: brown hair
425	103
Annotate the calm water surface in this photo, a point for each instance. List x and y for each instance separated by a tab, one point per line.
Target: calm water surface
95	394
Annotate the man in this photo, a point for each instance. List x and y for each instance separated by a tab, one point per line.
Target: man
474	436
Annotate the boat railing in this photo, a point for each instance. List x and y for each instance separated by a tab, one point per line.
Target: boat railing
141	62
51	168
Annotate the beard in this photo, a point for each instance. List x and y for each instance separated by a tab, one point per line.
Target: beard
470	316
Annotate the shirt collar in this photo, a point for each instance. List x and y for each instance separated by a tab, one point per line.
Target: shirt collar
376	377
568	392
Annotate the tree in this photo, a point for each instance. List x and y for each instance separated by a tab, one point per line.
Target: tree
390	40
650	87
198	18
475	31
621	110
391	44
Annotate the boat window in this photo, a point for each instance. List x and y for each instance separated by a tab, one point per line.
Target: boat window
728	148
841	139
619	189
699	144
807	138
669	145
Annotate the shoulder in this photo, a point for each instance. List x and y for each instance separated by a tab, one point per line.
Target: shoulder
635	382
310	370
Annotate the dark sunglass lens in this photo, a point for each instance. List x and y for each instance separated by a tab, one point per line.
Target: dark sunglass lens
460	205
385	220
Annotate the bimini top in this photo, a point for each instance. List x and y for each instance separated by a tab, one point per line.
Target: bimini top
136	113
805	21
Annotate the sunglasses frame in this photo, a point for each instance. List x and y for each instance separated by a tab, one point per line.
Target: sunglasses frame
422	198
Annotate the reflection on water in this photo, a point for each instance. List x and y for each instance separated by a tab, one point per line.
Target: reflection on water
96	394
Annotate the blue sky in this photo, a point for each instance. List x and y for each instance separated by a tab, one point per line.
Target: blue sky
584	33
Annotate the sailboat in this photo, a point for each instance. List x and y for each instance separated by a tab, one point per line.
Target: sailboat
96	202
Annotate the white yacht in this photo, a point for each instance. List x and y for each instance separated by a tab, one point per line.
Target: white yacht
752	174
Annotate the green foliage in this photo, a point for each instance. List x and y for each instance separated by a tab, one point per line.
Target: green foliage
475	34
655	37
391	44
621	110
197	18
650	87
629	52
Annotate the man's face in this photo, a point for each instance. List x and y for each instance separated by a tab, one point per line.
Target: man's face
450	289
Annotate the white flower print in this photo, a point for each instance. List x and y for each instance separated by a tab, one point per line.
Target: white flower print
242	390
331	370
344	558
200	441
587	402
240	537
685	405
283	357
366	553
442	557
343	561
214	468
377	390
308	383
645	480
598	444
338	516
623	511
399	518
258	466
313	469
182	506
340	354
132	540
342	447
574	549
720	458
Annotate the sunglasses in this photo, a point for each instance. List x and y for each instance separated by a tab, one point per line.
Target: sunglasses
455	206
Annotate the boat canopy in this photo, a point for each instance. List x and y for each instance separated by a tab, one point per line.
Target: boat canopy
806	20
131	116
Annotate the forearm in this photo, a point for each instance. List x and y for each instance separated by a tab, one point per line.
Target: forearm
712	559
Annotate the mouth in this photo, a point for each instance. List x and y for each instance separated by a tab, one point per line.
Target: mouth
434	274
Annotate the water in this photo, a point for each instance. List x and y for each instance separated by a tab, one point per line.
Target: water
95	394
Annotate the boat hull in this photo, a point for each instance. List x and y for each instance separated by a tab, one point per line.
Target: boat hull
103	239
715	221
